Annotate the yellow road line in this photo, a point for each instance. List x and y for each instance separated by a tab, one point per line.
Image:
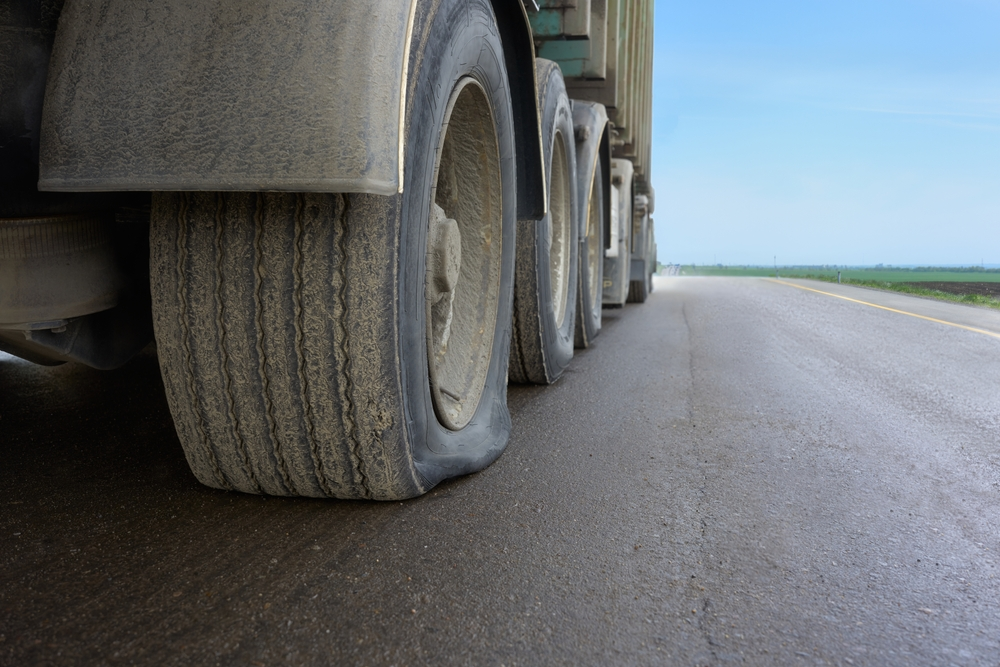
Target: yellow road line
891	310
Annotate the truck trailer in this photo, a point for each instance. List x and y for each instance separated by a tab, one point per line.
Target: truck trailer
347	224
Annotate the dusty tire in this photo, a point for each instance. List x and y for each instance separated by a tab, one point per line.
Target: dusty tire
638	290
295	331
651	263
545	285
591	261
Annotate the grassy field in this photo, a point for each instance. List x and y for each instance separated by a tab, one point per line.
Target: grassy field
887	275
894	280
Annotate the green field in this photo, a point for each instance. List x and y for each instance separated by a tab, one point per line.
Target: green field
888	275
887	278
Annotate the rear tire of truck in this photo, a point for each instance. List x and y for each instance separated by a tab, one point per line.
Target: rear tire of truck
638	290
354	346
547	250
591	261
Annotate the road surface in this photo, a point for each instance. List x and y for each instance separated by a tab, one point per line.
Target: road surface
741	471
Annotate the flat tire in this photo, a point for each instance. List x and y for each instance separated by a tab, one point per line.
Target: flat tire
354	345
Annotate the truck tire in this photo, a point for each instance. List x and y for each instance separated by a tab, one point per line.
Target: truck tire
638	290
591	261
354	345
545	283
651	262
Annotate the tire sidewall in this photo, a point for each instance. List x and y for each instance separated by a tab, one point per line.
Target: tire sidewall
557	117
595	304
455	39
590	305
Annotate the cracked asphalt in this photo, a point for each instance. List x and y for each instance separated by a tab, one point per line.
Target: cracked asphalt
739	472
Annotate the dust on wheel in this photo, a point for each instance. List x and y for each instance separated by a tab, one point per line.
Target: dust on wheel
548	249
353	345
592	262
463	256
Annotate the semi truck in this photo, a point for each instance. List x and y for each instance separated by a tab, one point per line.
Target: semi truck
347	224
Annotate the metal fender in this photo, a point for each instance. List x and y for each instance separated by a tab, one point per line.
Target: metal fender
227	95
590	123
519	57
234	95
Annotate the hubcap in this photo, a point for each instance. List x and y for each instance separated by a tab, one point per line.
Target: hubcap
593	241
462	281
559	230
444	261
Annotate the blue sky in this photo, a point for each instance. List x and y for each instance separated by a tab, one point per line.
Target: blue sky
850	132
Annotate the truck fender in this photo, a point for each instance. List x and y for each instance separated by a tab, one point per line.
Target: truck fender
227	95
519	54
593	143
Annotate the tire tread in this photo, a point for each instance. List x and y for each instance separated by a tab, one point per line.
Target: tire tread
638	291
294	450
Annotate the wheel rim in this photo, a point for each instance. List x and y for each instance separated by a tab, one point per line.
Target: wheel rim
593	243
559	230
462	282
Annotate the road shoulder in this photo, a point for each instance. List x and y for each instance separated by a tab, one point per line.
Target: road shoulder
948	312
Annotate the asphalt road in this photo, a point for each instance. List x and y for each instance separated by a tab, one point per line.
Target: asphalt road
740	471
